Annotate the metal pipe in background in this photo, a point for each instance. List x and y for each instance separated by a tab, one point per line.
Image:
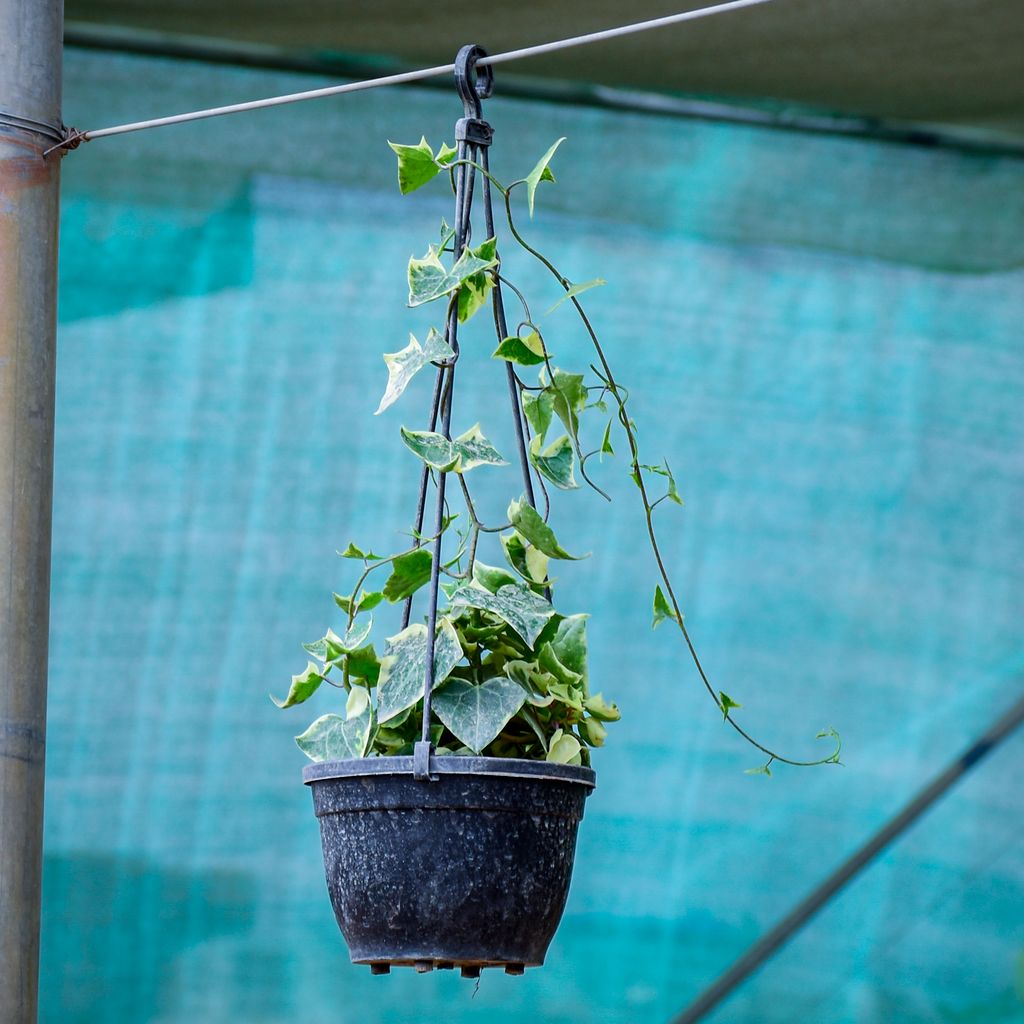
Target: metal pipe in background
30	91
772	941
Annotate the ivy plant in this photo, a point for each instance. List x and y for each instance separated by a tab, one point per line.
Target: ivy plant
511	672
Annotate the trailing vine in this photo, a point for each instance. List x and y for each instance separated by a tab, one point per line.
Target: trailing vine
510	673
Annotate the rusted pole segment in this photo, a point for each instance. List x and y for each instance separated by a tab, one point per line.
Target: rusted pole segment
30	90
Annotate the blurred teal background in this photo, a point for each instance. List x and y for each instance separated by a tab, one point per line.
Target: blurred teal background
824	337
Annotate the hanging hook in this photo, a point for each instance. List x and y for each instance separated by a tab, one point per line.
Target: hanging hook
474	83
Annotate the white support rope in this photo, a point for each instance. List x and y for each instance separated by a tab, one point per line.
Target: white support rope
74	138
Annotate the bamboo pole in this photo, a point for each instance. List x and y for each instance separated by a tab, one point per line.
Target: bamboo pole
30	91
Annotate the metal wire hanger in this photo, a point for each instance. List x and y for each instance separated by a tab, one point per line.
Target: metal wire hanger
475	82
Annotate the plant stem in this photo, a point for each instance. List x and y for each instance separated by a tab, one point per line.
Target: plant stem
609	381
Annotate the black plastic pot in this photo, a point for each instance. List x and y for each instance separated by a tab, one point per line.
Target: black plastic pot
470	869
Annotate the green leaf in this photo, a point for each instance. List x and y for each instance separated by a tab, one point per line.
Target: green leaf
490	577
332	737
529	676
833	734
408	573
564	748
465	452
403	366
541	172
532	528
662	609
403	666
367	600
673	494
364	664
445	155
577	289
606	441
416	165
526	612
304	685
593	732
549	661
565	693
763	770
539	408
476	713
528	351
556	462
568	398
727	704
599	709
429	279
570	644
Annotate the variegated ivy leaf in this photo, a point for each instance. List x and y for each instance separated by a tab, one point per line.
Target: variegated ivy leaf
476	450
403	366
474	290
304	685
568	398
332	647
489	577
332	737
539	408
429	279
528	351
525	611
460	455
417	164
555	462
577	289
477	712
403	666
606	442
531	527
541	172
530	563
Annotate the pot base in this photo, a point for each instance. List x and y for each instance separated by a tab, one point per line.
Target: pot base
468	968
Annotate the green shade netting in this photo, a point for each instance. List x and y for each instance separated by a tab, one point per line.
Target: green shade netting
824	337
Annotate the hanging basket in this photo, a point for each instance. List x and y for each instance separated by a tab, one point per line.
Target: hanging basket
467	868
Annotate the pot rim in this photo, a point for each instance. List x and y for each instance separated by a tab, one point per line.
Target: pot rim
450	764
